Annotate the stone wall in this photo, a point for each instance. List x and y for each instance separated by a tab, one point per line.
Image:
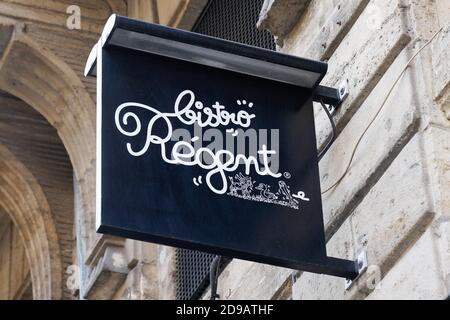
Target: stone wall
394	200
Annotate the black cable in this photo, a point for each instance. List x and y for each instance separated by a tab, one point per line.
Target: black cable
333	135
214	276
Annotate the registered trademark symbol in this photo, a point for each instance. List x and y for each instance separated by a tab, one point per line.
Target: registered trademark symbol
287	175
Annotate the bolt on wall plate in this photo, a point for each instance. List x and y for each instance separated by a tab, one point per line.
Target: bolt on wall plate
342	94
332	97
343	90
331	109
362	265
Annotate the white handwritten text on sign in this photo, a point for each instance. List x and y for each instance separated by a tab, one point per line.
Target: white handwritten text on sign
191	112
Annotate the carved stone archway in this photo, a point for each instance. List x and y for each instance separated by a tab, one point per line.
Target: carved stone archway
37	76
46	83
22	198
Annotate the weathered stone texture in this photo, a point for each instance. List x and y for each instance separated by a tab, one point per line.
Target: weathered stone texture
441	70
437	146
362	57
393	215
14	268
311	286
108	275
248	280
365	54
141	282
280	16
166	279
394	201
395	125
417	275
393	194
322	27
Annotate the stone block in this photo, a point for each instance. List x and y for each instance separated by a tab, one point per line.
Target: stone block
322	28
310	286
417	276
390	131
108	275
280	16
394	214
248	280
166	273
441	69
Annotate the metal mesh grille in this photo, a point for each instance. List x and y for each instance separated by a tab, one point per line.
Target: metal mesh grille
233	20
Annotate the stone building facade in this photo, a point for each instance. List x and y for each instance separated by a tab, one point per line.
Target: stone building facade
392	200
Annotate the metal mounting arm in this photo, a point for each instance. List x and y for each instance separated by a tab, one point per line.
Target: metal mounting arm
332	96
350	270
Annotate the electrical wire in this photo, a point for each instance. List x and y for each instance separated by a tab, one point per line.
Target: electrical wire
214	269
333	135
408	64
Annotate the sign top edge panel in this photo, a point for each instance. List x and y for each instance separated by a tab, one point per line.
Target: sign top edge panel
152	38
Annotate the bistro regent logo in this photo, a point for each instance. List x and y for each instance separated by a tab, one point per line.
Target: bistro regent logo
222	163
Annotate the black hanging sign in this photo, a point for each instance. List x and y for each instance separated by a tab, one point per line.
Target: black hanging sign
210	145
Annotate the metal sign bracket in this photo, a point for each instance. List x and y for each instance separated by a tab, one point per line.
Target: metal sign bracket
351	270
331	96
361	265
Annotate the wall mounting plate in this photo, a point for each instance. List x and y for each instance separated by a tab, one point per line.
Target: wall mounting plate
361	265
331	96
